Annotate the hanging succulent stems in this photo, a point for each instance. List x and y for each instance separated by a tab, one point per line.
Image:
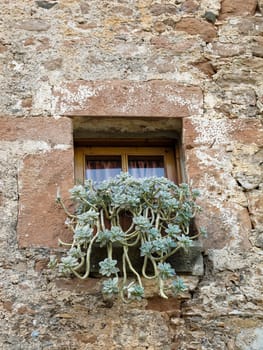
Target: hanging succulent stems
158	215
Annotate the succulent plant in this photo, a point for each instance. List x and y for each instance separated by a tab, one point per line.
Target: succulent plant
160	213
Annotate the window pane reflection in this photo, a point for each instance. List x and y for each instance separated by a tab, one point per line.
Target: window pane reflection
101	168
145	166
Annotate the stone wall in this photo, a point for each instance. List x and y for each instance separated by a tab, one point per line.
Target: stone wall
200	61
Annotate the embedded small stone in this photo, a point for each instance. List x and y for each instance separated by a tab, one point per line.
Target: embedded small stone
158	9
53	64
84	8
210	16
34	25
3	47
45	4
159	27
259	241
169	22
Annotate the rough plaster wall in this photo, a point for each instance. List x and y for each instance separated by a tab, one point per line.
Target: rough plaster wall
45	43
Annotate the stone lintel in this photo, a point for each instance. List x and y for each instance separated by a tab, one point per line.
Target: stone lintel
153	98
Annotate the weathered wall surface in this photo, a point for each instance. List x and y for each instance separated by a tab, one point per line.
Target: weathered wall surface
208	52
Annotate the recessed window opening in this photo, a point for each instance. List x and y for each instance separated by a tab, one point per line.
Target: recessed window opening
100	163
104	147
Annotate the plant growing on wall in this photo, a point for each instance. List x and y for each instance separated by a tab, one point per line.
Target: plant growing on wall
152	214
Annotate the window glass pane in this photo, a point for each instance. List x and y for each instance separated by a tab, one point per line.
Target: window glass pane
144	166
101	168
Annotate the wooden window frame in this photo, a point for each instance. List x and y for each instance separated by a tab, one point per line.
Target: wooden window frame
124	148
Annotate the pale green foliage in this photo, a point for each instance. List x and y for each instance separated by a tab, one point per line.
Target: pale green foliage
135	292
159	215
108	267
165	270
178	286
110	286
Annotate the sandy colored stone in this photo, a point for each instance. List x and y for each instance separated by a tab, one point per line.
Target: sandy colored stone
159	27
159	9
123	10
255	206
84	7
226	50
250	338
260	5
250	26
37	25
53	64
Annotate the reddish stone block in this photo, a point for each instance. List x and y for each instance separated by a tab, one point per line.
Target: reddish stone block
29	41
237	8
55	131
205	66
190	6
93	285
224	226
247	131
41	265
171	305
255	206
225	220
7	305
3	48
27	102
40	219
194	26
122	98
221	131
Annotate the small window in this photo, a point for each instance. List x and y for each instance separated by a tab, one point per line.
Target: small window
100	163
101	159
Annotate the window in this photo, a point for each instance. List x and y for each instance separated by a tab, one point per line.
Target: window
101	158
99	163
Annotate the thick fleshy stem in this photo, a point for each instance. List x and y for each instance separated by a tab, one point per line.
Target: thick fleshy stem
145	266
161	287
125	250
